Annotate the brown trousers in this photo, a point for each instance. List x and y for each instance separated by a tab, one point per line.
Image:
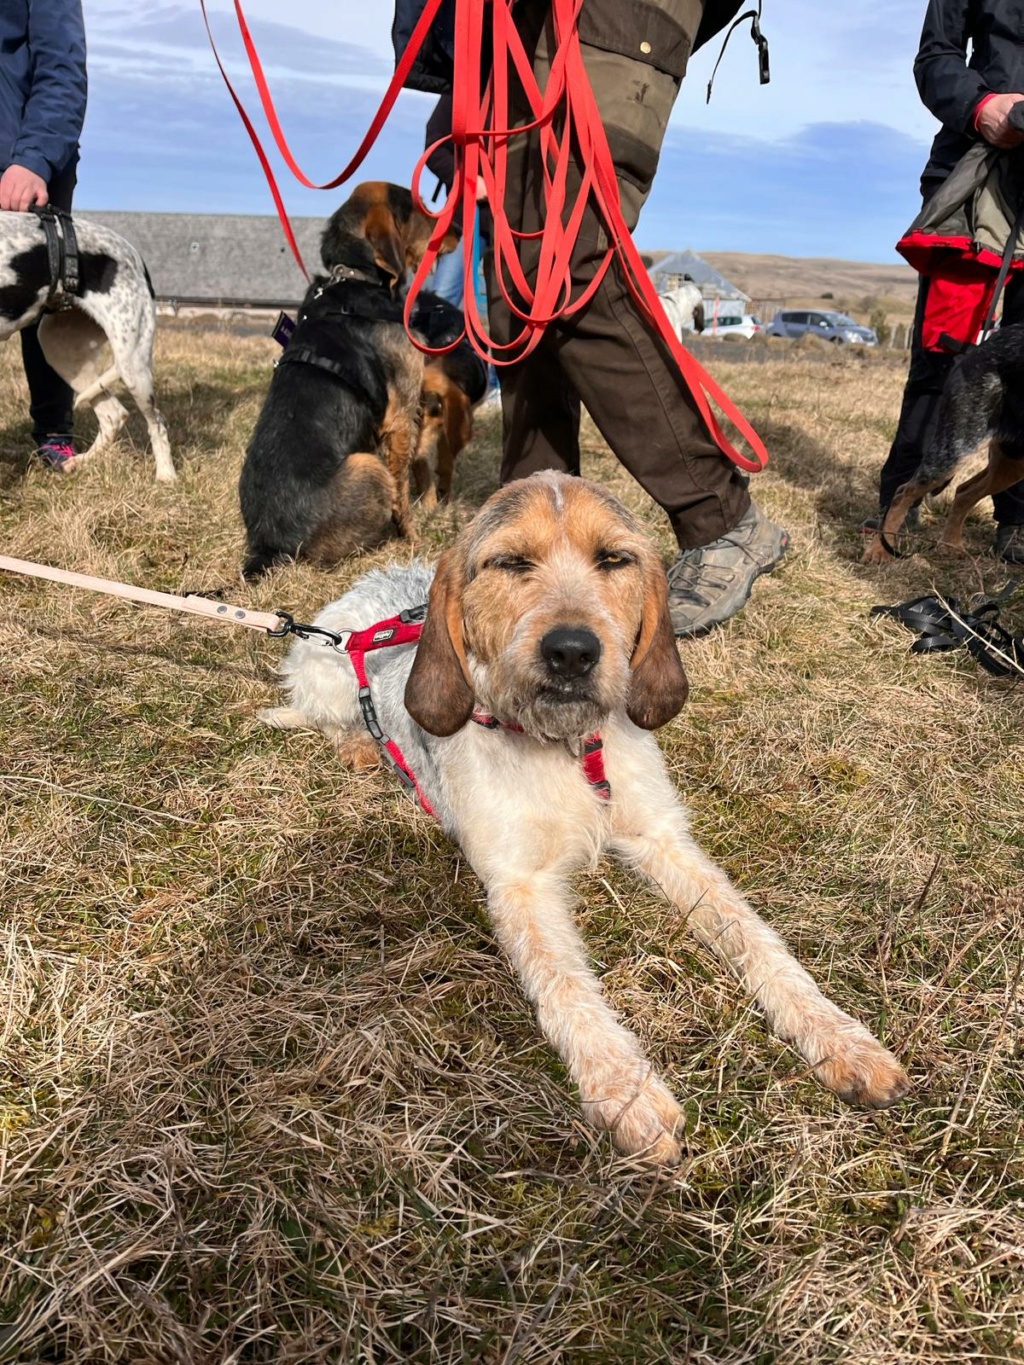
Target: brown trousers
607	355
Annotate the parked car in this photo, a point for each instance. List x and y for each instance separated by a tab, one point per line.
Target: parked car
835	327
731	324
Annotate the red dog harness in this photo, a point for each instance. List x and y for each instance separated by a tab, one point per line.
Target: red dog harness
406	629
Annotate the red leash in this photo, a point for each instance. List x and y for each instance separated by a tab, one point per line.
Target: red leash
566	116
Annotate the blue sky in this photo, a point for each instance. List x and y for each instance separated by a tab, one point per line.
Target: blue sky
822	162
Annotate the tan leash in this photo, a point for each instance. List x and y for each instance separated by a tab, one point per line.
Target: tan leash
278	623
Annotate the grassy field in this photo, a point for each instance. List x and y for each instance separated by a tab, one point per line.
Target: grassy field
268	1092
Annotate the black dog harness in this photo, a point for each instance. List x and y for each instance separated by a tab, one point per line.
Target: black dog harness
62	250
339	300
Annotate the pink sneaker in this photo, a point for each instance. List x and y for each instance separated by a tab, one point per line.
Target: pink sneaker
58	453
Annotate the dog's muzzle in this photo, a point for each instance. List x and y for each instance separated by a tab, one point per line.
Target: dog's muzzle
569	655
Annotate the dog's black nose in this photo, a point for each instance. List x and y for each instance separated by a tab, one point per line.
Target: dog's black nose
570	653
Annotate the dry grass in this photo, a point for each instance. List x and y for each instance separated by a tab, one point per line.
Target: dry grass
270	1094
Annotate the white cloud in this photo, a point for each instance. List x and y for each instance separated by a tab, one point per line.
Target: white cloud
162	133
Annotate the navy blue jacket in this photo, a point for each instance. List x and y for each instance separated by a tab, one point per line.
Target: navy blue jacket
42	84
951	84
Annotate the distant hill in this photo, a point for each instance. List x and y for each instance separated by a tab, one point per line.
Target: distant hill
806	278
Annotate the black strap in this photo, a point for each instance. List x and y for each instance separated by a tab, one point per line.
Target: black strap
341	300
764	73
943	624
1004	269
72	274
303	355
61	249
54	246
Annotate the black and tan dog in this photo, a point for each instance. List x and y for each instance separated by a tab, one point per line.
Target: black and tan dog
327	469
983	397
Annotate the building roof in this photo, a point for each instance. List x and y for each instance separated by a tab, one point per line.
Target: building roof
713	285
220	258
243	259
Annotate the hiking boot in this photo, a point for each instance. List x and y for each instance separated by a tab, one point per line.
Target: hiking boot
58	453
1010	544
709	584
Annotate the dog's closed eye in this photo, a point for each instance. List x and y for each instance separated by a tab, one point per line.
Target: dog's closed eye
614	559
516	564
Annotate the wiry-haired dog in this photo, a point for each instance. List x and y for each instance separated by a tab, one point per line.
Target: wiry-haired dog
983	397
114	304
550	613
327	469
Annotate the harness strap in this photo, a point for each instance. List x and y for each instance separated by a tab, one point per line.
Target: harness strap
593	751
593	766
304	355
72	275
406	629
61	249
403	629
346	303
1004	269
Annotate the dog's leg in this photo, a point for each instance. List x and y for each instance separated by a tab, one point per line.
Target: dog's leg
1000	473
136	369
423	468
458	432
398	440
445	467
73	345
424	461
129	319
845	1056
892	521
354	747
619	1089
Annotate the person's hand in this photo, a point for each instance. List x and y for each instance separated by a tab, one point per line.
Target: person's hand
992	121
481	189
20	188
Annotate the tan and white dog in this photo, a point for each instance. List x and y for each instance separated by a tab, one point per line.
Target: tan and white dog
550	613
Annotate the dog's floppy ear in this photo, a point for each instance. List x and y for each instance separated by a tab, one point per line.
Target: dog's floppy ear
386	240
658	685
438	695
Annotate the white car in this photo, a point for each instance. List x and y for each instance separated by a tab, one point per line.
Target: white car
729	323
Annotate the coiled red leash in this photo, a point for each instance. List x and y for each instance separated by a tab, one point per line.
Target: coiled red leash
569	127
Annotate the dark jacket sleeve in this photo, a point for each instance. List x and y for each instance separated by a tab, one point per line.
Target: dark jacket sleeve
949	88
439	125
55	109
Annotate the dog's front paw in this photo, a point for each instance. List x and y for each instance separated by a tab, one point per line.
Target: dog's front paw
357	752
876	553
862	1072
641	1114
